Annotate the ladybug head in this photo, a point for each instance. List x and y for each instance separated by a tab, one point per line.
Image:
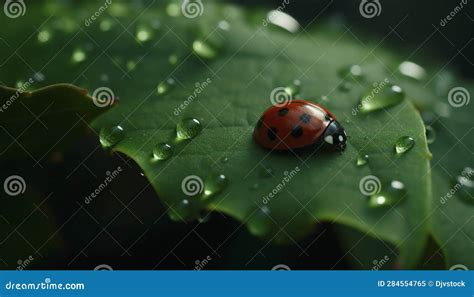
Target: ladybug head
335	136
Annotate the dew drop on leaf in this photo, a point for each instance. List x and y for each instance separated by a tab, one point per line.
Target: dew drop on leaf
105	25
111	136
404	144
381	96
173	59
388	196
181	211
344	86
188	128
294	88
162	151
165	86
362	160
44	36
214	184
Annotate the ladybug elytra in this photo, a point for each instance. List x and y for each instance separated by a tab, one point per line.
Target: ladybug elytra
298	124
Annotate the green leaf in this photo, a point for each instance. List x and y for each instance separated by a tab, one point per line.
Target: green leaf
33	124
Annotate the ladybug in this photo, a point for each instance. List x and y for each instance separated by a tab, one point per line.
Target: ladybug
299	124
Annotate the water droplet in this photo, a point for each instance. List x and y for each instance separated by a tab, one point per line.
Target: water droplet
78	56
282	20
104	77
162	151
105	25
188	128
294	89
204	49
165	86
224	160
111	136
381	96
255	186
362	160
351	71
181	211
260	223
44	36
214	185
404	144
388	196
412	70
430	134
173	59
466	182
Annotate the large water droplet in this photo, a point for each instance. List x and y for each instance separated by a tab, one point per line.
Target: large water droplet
466	183
282	20
388	196
214	184
294	88
412	70
204	49
362	160
404	144
188	128
181	211
381	96
430	134
162	151
260	223
78	56
111	136
351	71
165	86
143	34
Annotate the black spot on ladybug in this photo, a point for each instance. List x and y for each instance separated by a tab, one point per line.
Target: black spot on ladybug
282	112
297	132
272	133
305	118
260	123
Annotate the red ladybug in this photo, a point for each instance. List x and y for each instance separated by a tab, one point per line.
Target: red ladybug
299	124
